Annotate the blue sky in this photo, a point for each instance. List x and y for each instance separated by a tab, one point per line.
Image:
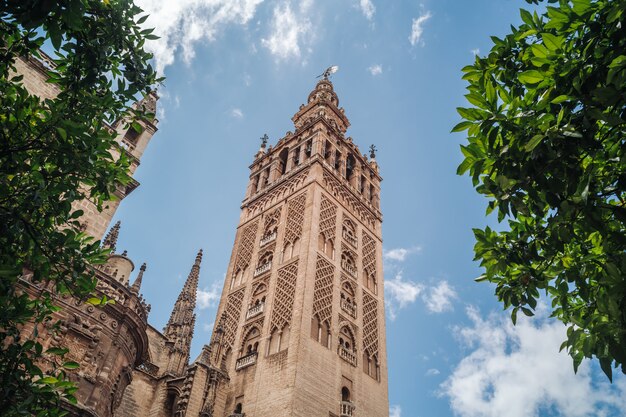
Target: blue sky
237	69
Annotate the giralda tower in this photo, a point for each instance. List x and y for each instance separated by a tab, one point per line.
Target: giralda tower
300	329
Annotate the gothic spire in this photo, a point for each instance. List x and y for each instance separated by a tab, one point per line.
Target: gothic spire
137	284
179	328
110	240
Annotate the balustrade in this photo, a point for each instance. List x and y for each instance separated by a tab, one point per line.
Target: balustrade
349	238
267	239
347	355
246	361
346	409
349	268
349	308
255	310
262	269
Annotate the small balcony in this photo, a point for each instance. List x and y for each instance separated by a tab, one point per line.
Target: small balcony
349	238
349	308
348	356
349	268
255	310
346	409
267	239
262	269
246	361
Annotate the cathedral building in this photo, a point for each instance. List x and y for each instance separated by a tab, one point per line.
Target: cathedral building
300	327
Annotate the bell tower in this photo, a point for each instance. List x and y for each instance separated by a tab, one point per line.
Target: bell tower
300	329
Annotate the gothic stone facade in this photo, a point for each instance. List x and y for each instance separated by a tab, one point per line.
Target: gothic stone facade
300	328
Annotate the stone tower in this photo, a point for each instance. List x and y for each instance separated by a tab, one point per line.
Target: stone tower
300	328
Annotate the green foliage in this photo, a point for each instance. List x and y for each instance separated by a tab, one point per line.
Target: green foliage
546	145
54	152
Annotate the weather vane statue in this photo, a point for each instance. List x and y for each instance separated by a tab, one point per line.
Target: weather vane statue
328	72
264	140
373	151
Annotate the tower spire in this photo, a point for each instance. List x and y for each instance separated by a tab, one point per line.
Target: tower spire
137	284
179	328
110	240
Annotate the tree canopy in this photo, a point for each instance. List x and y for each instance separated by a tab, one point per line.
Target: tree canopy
55	151
546	145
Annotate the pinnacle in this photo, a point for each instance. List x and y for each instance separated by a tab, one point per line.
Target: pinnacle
110	240
137	284
198	258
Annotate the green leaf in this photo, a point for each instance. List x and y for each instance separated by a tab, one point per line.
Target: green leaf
533	142
605	364
57	351
71	365
462	126
527	17
552	42
531	77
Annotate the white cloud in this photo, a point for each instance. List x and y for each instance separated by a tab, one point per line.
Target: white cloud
401	293
375	69
208	327
517	371
400	254
418	28
236	113
368	9
438	299
208	297
475	51
181	24
395	411
289	31
432	372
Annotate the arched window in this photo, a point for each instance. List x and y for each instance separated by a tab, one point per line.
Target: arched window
251	342
282	156
265	263
279	340
345	394
370	281
348	263
346	339
238	409
238	278
348	300
350	163
327	246
348	232
308	149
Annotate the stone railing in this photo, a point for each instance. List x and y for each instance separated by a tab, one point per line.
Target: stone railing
347	355
262	269
349	308
148	368
350	269
267	239
349	238
255	310
246	361
238	415
346	409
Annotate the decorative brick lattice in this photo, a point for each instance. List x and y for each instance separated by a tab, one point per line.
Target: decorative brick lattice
248	327
283	296
369	255
370	324
230	316
323	290
295	218
246	246
339	190
271	219
286	188
328	218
